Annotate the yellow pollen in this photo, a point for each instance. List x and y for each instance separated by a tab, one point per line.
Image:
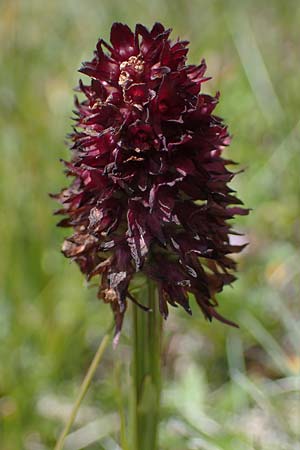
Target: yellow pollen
123	78
135	62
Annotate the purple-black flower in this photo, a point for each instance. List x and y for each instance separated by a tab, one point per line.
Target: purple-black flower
150	187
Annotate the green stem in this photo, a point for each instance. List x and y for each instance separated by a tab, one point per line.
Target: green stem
146	372
83	390
120	402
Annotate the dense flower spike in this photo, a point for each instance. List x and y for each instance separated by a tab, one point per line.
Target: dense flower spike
150	187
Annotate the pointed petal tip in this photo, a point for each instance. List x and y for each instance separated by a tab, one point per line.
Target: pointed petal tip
116	339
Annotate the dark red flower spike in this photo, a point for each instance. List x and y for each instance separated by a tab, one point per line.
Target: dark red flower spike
150	187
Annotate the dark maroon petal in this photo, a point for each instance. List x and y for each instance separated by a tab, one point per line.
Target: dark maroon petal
155	228
157	29
122	39
151	43
174	56
137	236
139	93
170	103
101	67
147	39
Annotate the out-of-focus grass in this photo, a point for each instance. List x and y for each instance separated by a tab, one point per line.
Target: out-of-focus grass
224	389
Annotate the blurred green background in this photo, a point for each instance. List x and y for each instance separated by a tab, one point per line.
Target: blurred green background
223	389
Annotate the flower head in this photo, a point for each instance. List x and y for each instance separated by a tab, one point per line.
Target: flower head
149	190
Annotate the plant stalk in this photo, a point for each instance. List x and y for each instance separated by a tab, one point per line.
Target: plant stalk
147	330
83	390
